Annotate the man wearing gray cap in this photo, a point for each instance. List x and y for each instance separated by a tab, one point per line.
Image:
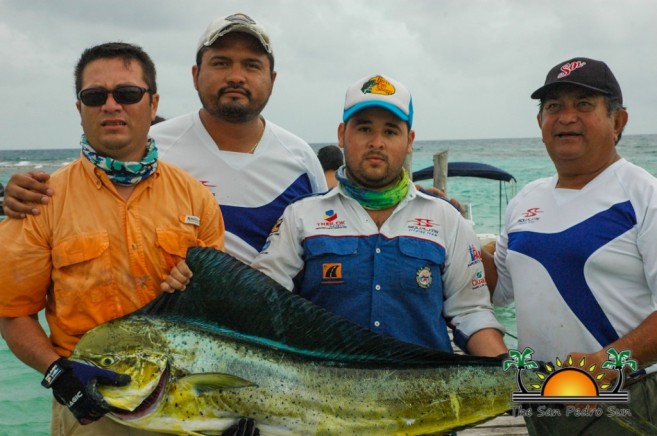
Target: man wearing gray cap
578	253
253	167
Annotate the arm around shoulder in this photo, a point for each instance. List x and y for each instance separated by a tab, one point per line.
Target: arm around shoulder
24	192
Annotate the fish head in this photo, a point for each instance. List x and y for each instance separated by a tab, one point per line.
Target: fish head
134	355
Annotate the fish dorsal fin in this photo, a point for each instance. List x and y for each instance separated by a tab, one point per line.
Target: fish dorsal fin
229	294
212	381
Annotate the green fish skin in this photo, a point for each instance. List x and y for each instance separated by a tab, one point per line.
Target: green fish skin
236	344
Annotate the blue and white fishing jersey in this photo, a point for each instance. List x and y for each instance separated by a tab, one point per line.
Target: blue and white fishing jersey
580	264
420	272
252	189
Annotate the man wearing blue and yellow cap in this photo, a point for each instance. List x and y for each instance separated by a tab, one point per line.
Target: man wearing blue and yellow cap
377	251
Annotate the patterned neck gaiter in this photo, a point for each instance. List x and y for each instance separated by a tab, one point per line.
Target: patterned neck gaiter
374	200
123	173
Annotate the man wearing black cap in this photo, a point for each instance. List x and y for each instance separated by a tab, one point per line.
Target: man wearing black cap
578	254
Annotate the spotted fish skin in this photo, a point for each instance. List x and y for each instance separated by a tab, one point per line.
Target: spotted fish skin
236	344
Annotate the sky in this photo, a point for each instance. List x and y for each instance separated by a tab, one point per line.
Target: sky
470	65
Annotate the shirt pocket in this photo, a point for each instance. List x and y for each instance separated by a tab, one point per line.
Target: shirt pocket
83	275
329	261
420	266
173	245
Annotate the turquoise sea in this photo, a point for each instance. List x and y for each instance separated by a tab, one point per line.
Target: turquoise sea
25	405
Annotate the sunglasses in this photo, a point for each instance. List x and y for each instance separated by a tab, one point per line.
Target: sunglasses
121	94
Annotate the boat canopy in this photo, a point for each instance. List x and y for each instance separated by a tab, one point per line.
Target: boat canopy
467	169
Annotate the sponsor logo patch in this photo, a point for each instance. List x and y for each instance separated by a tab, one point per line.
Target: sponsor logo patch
332	273
424	277
478	280
330	221
330	215
475	255
423	226
277	227
530	216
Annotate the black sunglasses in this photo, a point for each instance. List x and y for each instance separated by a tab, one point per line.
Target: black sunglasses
121	94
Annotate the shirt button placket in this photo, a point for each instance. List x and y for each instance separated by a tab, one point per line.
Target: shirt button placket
377	287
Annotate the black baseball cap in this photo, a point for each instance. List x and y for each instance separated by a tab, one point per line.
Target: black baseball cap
584	72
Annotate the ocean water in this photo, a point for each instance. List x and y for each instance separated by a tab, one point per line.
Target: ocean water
25	405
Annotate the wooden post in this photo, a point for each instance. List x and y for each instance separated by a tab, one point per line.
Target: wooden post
440	170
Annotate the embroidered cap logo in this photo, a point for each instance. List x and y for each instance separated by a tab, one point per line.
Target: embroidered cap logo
378	85
568	68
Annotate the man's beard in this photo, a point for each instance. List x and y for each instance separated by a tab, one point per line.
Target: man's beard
233	112
360	176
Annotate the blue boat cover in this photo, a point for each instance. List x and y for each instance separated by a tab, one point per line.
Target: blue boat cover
467	169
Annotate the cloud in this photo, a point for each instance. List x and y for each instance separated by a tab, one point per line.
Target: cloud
470	65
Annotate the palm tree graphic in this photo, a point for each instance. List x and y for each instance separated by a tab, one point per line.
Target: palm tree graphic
521	361
618	361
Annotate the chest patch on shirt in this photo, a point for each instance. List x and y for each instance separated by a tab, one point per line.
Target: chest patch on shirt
424	277
277	227
330	221
331	273
191	219
478	280
424	226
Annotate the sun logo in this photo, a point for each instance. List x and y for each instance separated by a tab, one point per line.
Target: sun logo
569	381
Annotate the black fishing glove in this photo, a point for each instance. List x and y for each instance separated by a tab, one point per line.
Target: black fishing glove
245	427
74	385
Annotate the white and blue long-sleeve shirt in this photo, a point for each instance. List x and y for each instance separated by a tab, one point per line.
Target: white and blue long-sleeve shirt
417	274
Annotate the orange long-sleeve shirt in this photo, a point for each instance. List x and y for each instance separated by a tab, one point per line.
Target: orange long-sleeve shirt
91	256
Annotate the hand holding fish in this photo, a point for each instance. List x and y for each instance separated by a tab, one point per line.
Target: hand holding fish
74	385
178	279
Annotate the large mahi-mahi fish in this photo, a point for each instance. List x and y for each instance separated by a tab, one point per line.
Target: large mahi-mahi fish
236	344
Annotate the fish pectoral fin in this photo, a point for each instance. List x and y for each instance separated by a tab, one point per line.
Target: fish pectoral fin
215	380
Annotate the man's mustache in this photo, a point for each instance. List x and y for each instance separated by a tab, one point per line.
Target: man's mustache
230	88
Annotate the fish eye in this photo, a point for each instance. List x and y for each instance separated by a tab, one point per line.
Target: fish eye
107	360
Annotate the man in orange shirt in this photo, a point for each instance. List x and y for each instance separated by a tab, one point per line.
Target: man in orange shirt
101	248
